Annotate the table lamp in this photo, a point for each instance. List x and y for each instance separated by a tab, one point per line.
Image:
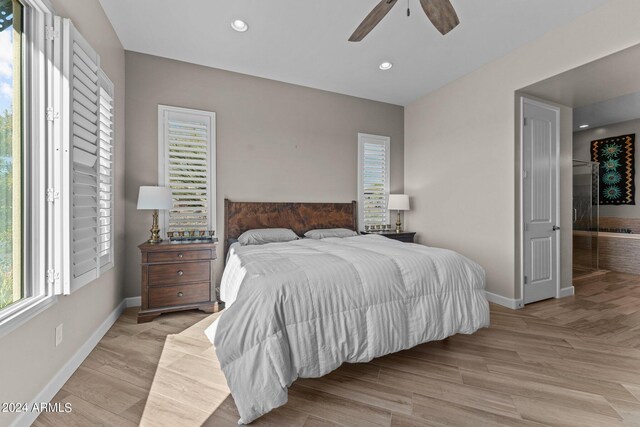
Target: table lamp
398	202
154	198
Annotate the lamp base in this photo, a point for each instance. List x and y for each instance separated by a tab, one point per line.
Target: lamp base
155	230
398	224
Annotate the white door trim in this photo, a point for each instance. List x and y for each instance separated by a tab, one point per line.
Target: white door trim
525	100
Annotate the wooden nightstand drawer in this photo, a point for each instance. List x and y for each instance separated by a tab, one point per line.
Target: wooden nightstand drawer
178	273
180	256
176	277
167	296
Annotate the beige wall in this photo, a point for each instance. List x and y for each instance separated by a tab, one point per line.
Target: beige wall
581	151
460	143
275	141
28	356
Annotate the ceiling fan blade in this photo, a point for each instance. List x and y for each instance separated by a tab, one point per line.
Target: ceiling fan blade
441	14
373	18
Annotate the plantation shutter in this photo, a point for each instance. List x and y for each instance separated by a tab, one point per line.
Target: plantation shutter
373	179
80	136
105	165
187	167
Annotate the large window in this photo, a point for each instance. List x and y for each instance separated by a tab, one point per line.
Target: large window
12	284
56	160
186	164
24	55
373	180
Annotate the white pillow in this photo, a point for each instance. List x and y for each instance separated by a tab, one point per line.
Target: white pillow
322	233
266	235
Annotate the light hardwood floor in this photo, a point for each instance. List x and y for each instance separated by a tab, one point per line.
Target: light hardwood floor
574	361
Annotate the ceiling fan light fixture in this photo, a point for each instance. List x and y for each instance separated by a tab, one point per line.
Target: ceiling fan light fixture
239	25
440	12
386	65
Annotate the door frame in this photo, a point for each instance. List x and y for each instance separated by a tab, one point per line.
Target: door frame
524	99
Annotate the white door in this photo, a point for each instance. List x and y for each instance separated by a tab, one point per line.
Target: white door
540	201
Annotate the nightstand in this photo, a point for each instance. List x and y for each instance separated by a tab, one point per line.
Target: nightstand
403	236
176	277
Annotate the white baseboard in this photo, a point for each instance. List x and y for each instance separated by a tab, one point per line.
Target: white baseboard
515	304
511	303
63	375
566	292
133	302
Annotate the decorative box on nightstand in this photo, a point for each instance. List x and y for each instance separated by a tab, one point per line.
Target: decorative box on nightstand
403	236
176	277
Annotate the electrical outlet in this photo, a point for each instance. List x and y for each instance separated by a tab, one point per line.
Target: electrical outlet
59	334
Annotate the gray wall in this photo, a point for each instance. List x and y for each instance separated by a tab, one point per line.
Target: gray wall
581	151
28	356
275	141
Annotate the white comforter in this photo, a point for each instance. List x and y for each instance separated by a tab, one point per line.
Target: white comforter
302	308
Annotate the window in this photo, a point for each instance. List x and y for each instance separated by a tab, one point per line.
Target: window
186	164
24	55
56	161
373	179
12	283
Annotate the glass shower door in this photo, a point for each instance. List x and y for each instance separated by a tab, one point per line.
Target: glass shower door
585	216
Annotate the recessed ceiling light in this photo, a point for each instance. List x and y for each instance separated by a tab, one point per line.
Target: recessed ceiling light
584	126
386	66
239	25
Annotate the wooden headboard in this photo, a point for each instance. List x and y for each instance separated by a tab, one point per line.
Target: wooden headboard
300	217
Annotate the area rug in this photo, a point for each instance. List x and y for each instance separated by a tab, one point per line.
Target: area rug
616	156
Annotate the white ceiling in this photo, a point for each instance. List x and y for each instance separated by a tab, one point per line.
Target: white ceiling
601	92
606	78
616	110
305	42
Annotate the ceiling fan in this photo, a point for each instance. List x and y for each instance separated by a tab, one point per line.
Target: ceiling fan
440	12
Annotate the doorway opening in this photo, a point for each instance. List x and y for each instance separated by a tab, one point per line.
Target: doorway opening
599	215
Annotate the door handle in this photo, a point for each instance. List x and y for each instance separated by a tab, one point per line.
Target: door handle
556	228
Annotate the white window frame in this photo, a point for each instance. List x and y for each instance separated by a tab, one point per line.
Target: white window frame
37	15
163	111
386	142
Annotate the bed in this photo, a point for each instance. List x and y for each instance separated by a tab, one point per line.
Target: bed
302	308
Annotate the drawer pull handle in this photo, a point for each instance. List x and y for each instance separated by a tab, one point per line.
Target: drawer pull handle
180	272
180	294
180	256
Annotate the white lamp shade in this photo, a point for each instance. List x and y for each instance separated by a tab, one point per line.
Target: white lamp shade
154	198
398	202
